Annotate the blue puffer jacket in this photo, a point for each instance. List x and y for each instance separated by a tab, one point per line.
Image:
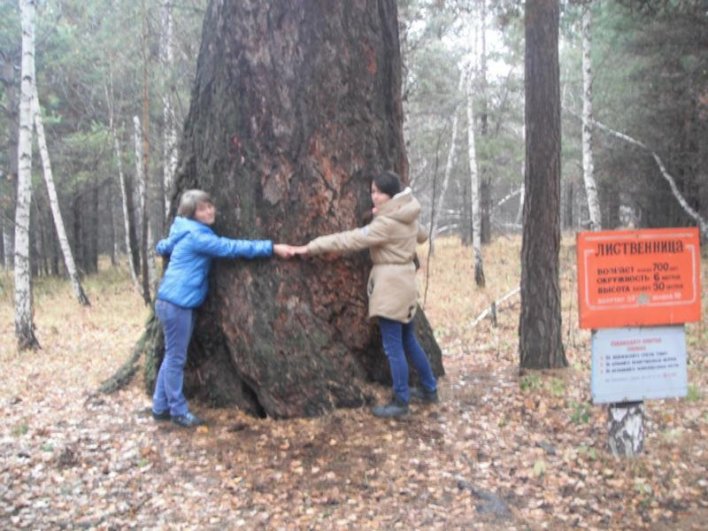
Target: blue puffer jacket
191	246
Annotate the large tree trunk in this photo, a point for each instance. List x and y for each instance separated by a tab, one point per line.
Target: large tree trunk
540	343
24	324
295	106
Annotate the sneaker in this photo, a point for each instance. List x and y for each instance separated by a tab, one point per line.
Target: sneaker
419	394
165	415
395	408
187	420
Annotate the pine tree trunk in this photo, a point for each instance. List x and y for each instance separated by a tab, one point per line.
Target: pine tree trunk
9	80
540	343
568	198
111	215
485	195
24	325
54	205
7	245
588	165
474	187
90	227
294	108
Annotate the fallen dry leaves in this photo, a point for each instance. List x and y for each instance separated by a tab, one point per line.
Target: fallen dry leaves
499	451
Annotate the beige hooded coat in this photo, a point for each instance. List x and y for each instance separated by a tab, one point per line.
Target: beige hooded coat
391	239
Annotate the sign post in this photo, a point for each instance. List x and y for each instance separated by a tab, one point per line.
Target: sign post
636	289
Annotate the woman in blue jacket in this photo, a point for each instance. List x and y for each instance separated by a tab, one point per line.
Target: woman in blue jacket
191	246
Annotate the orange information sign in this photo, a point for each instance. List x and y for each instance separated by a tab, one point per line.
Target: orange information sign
639	277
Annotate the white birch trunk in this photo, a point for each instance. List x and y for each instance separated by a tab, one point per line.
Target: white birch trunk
448	167
474	187
54	204
138	142
170	127
625	426
588	166
24	325
520	212
124	205
142	205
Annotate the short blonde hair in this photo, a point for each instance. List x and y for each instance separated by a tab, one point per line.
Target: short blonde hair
190	200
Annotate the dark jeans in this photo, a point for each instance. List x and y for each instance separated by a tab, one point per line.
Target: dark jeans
177	323
399	342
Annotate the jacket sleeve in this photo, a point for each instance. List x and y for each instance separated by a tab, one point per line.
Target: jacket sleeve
212	245
163	248
422	235
351	240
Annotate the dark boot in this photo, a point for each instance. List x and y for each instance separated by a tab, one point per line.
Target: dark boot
187	420
424	396
395	408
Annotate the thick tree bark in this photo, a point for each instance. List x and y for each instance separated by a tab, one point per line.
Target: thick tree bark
296	105
24	324
54	205
540	343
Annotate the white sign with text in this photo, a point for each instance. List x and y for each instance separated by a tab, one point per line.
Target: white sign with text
630	364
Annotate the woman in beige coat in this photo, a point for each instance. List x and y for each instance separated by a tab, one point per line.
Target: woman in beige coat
391	239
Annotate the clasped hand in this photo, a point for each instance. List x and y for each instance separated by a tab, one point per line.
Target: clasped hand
284	250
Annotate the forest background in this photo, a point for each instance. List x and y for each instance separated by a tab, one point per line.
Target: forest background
102	64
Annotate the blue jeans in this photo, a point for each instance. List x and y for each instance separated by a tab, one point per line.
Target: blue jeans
177	323
399	342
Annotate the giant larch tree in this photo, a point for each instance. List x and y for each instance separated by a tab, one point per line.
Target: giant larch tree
295	106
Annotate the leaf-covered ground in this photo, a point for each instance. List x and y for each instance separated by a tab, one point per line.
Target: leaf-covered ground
501	451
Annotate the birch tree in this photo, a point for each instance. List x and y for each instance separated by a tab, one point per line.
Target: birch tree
169	146
148	269
54	204
693	213
588	165
439	201
24	324
474	187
